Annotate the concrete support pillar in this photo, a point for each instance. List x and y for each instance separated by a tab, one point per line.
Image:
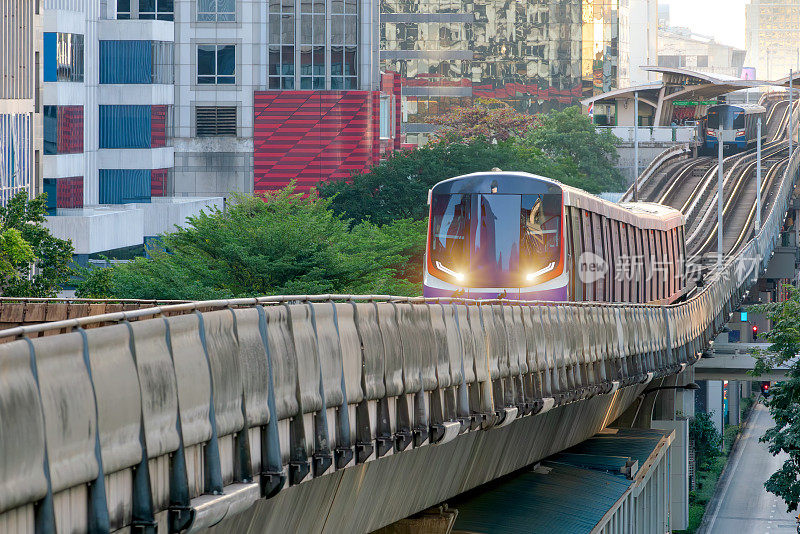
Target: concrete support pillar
678	472
734	394
746	388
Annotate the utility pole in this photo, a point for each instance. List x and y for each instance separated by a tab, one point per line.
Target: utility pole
636	146
758	175
720	140
791	118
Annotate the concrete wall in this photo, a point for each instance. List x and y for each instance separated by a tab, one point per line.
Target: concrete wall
213	166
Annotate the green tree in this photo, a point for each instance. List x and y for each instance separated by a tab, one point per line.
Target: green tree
569	135
706	439
281	244
33	263
397	188
784	436
562	145
488	119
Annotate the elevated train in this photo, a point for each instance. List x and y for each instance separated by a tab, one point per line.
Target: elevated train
739	121
525	237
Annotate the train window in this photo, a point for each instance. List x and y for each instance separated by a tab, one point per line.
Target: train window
647	283
539	234
450	230
577	250
496	240
625	272
635	252
615	255
588	246
608	253
597	233
666	264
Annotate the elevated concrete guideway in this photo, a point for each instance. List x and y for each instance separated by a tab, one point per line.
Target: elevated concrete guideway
732	361
325	413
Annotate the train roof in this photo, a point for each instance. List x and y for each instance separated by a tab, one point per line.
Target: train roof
641	214
748	108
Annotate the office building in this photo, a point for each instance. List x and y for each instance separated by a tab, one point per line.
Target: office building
772	30
535	56
20	139
107	112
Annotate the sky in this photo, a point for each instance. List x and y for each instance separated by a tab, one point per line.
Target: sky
722	19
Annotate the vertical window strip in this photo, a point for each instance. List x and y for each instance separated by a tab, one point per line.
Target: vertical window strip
122	186
126	62
125	127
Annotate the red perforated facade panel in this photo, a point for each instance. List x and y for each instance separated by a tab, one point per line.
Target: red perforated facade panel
312	136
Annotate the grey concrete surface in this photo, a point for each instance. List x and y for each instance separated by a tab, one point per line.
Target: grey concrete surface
741	505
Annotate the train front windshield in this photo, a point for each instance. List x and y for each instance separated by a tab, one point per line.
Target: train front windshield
728	118
496	240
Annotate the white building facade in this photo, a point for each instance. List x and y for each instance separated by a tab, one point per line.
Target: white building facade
20	138
108	104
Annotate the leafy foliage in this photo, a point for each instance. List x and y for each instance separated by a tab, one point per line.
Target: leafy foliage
706	439
563	146
783	402
281	244
489	119
33	263
569	135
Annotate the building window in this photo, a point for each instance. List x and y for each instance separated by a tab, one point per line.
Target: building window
216	10
281	44
344	44
312	44
216	64
156	9
702	61
63	57
62	129
126	127
122	186
15	154
123	9
132	62
215	121
63	193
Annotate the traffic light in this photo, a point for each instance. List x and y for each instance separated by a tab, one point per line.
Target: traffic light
755	332
765	388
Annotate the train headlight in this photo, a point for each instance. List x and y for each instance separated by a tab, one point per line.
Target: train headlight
458	276
532	276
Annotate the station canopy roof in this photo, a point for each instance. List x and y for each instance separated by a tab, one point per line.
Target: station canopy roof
678	84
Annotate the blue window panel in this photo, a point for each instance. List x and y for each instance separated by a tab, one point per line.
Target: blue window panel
50	189
126	61
49	53
125	127
122	186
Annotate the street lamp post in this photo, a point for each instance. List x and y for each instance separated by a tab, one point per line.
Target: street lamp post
636	146
720	174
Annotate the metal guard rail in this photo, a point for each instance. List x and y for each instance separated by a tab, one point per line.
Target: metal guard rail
189	413
674	152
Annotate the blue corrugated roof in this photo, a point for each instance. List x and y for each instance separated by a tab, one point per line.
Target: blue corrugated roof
583	484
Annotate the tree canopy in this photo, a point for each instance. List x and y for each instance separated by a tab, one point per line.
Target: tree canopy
562	145
491	119
33	263
281	244
783	405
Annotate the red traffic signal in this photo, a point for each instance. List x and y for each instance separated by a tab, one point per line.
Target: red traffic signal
765	387
755	332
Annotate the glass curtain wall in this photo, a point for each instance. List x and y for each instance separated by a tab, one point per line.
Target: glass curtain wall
313	44
535	55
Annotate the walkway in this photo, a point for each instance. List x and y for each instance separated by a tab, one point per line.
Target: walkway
742	503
